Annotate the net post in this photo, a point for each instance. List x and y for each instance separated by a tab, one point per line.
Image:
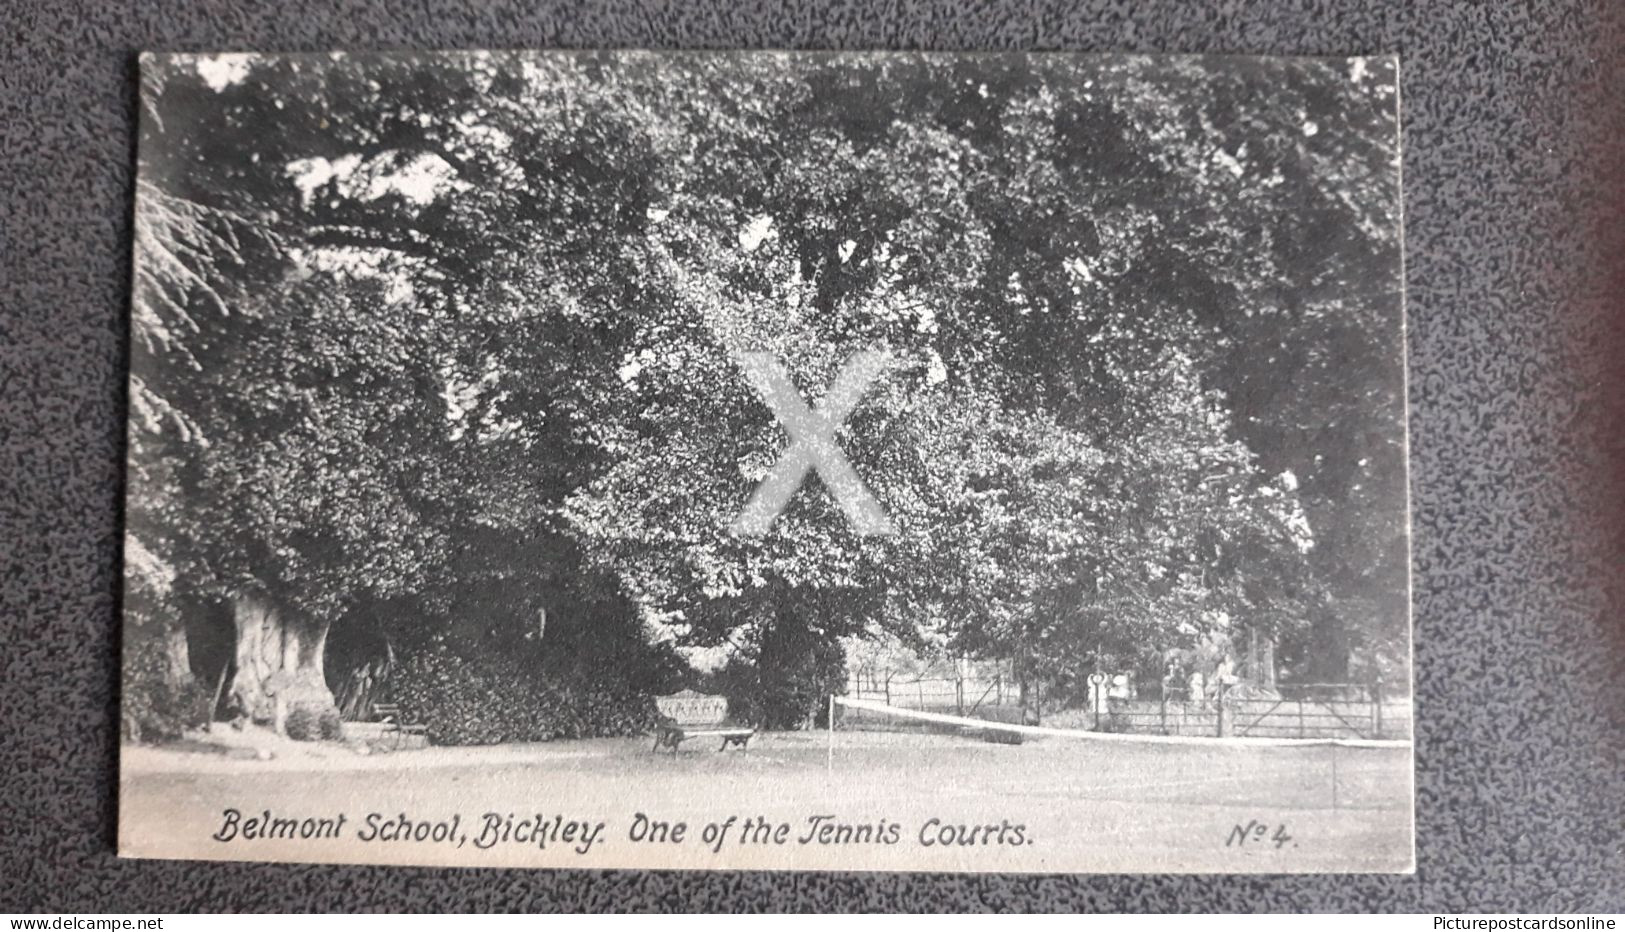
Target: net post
829	761
1334	775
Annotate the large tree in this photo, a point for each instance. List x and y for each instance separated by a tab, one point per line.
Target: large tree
390	309
326	290
1092	329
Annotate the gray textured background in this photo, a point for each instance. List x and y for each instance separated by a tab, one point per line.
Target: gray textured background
1515	200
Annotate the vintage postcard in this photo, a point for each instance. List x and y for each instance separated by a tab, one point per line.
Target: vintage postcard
950	462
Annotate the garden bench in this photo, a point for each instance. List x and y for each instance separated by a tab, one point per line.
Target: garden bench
390	714
690	714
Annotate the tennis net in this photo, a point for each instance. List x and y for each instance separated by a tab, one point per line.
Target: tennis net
867	715
936	751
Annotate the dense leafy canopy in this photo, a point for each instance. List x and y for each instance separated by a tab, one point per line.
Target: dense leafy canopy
457	334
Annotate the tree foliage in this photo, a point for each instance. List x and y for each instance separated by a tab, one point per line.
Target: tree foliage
417	330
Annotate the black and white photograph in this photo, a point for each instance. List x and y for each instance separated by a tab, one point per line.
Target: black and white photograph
984	462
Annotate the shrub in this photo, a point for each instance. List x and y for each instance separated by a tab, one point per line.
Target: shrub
301	723
786	683
498	699
313	719
155	707
331	725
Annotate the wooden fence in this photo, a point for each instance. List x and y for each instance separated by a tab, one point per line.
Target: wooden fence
1263	718
1334	710
965	696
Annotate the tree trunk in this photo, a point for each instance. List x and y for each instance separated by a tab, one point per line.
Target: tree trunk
1026	689
177	654
279	679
